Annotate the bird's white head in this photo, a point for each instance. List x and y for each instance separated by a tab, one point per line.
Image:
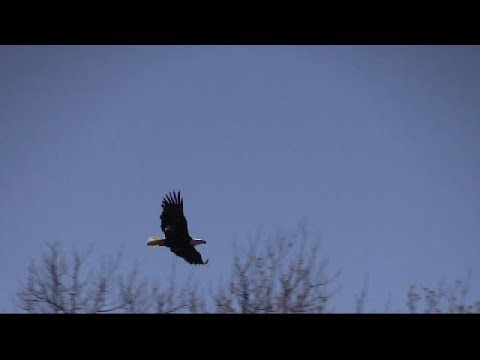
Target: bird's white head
155	241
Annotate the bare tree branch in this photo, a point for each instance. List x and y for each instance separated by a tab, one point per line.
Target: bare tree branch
286	275
444	300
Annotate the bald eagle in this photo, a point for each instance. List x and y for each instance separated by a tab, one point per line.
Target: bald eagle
174	226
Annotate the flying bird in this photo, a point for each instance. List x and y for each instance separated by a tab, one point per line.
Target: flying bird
174	226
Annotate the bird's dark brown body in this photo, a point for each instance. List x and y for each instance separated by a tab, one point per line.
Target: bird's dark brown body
174	226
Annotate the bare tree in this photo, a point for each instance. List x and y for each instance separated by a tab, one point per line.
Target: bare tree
284	276
55	286
361	298
443	299
59	286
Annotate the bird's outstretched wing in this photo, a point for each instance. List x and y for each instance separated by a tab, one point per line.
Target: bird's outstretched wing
190	255
173	221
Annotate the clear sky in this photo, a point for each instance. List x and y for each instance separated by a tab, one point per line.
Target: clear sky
378	147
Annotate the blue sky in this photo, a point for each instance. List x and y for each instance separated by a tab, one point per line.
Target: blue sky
377	147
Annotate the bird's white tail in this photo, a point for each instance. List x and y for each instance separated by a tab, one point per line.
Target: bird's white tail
196	242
